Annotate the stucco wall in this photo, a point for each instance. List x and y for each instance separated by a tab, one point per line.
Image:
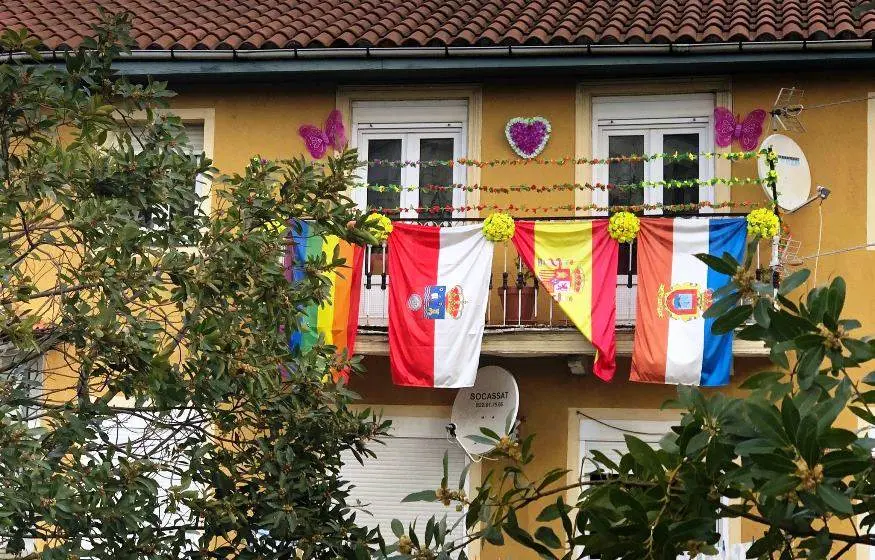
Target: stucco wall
835	144
263	119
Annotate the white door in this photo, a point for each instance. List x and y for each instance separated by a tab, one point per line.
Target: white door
410	187
145	438
635	125
410	132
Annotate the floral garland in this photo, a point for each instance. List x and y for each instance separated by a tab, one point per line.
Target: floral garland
764	223
634	158
381	226
624	226
635	208
665	184
498	227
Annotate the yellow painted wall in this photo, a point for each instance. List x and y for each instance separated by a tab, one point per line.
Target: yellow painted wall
502	103
835	144
260	119
263	119
547	392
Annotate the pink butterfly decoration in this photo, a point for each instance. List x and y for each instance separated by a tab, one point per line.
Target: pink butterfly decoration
318	140
727	128
335	130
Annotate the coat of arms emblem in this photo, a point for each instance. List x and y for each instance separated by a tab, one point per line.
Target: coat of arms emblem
439	302
685	301
562	278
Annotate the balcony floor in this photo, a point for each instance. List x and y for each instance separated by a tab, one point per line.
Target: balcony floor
534	341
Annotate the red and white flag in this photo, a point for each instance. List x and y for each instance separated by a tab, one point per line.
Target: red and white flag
438	291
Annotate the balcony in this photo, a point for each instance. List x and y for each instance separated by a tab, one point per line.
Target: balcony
522	320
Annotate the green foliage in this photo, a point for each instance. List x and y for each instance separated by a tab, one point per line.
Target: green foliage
774	456
147	311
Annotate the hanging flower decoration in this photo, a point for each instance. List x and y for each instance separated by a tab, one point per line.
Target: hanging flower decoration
763	223
498	227
381	226
278	226
527	136
624	226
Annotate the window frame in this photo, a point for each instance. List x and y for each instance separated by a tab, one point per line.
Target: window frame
719	86
653	116
205	116
122	402
34	369
639	417
470	95
411	121
870	181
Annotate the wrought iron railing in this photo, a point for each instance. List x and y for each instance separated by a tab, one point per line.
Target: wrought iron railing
516	300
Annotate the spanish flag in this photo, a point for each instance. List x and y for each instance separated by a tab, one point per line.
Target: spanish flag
576	262
336	320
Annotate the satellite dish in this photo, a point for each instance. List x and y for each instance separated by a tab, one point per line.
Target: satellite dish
491	403
794	176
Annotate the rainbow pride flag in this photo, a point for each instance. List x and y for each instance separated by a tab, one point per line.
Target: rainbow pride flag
576	262
336	320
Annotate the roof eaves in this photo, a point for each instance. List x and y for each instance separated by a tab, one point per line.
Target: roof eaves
733	47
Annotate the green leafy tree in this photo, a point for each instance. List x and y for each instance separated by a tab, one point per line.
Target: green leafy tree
777	456
148	315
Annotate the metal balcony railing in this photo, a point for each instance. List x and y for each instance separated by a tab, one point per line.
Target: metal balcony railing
516	299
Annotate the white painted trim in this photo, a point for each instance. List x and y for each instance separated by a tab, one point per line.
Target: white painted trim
870	175
470	95
205	116
863	427
409	133
720	87
653	116
409	111
408	120
626	419
652	107
609	415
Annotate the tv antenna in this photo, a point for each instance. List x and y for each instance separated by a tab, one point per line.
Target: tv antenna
787	109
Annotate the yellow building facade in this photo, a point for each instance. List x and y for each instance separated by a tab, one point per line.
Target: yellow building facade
423	80
263	118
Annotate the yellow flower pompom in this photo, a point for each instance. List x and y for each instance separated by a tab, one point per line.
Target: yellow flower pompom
498	227
763	223
276	225
624	226
381	226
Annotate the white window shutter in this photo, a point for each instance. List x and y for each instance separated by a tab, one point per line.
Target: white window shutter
608	437
403	466
195	133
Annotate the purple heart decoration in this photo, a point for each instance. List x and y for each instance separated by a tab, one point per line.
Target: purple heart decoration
527	135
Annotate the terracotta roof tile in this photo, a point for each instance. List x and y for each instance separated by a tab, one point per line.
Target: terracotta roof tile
270	24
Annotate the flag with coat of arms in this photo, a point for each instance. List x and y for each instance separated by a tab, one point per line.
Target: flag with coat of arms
438	292
673	341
